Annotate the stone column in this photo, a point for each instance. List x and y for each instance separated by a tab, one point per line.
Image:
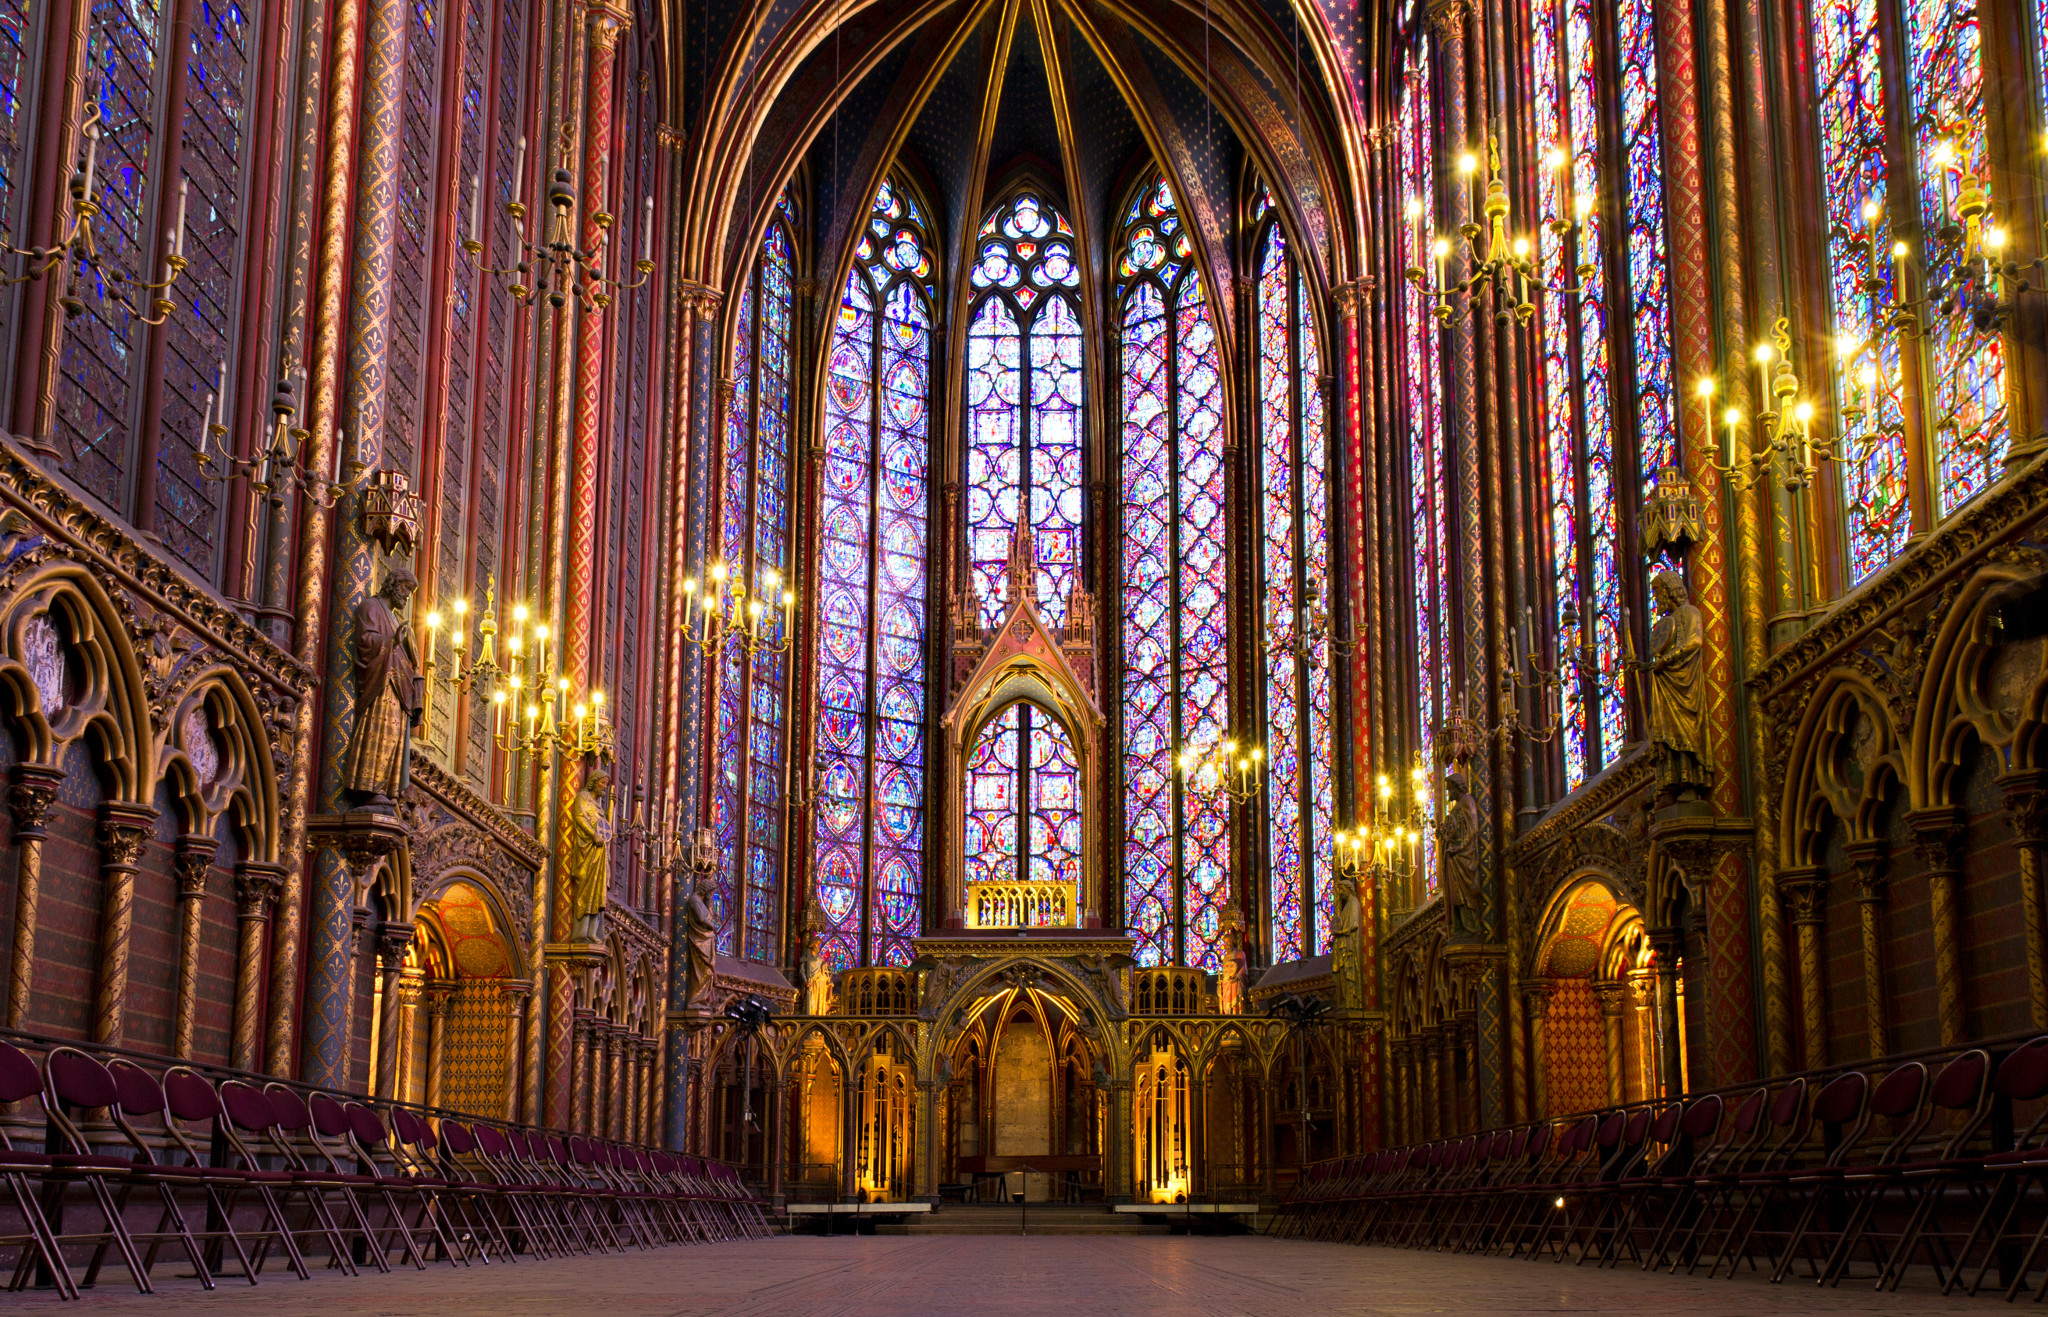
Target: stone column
1433	1083
1667	945
1397	1117
440	995
256	889
1469	1103
193	861
124	828
615	1100
2026	802
516	992
1935	834
578	1114
1869	857
1642	995
1805	894
1613	998
392	940
1536	997
31	795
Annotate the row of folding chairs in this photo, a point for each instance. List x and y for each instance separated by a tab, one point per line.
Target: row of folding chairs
1866	1172
232	1175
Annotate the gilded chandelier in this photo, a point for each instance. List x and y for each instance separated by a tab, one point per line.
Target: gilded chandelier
722	611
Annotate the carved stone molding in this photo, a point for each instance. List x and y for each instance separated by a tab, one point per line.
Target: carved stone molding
131	565
1936	833
1869	856
2026	803
1612	996
1536	995
123	833
1866	613
363	838
193	863
256	887
1805	892
31	795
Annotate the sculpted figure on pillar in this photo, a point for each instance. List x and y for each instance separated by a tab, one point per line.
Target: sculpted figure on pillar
1457	836
817	976
390	692
699	927
587	865
1231	974
1678	693
1347	961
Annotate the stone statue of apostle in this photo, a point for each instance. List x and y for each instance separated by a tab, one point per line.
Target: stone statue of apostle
1678	693
390	692
587	866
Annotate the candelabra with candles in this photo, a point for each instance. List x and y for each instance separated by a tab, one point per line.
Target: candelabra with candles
1386	845
659	837
1508	265
1226	770
1575	665
554	264
77	244
279	469
533	710
1784	424
1312	631
722	610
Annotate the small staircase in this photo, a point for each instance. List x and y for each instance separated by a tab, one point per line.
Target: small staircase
1037	1219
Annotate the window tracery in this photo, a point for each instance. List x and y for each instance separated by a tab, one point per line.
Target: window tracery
1292	472
1175	665
868	858
1025	395
749	719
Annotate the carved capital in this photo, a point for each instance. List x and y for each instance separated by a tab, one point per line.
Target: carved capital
1805	893
1612	996
1536	997
362	838
31	794
124	830
668	137
1667	944
392	940
1446	18
2026	801
193	863
256	887
607	25
1935	834
1870	856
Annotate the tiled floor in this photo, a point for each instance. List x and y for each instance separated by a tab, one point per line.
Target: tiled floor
994	1276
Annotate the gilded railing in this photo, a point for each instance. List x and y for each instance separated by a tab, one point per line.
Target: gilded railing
1020	905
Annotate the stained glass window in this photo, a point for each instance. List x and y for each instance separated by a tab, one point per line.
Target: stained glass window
1422	388
1294	561
1966	367
216	64
1577	376
102	345
14	68
1850	108
750	723
872	624
1649	278
1175	661
1024	398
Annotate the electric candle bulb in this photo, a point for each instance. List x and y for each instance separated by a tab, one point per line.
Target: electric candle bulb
1467	162
1441	248
1414	208
461	607
1705	388
1553	159
1994	238
1731	418
519	614
1803	413
1521	246
1763	354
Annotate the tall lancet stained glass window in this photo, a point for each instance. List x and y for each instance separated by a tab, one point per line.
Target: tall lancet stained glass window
868	865
1293	501
1175	659
750	722
1578	381
1855	185
1422	391
1024	435
1965	366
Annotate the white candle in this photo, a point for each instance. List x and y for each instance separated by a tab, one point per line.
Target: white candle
476	207
92	156
178	242
220	391
519	169
647	230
